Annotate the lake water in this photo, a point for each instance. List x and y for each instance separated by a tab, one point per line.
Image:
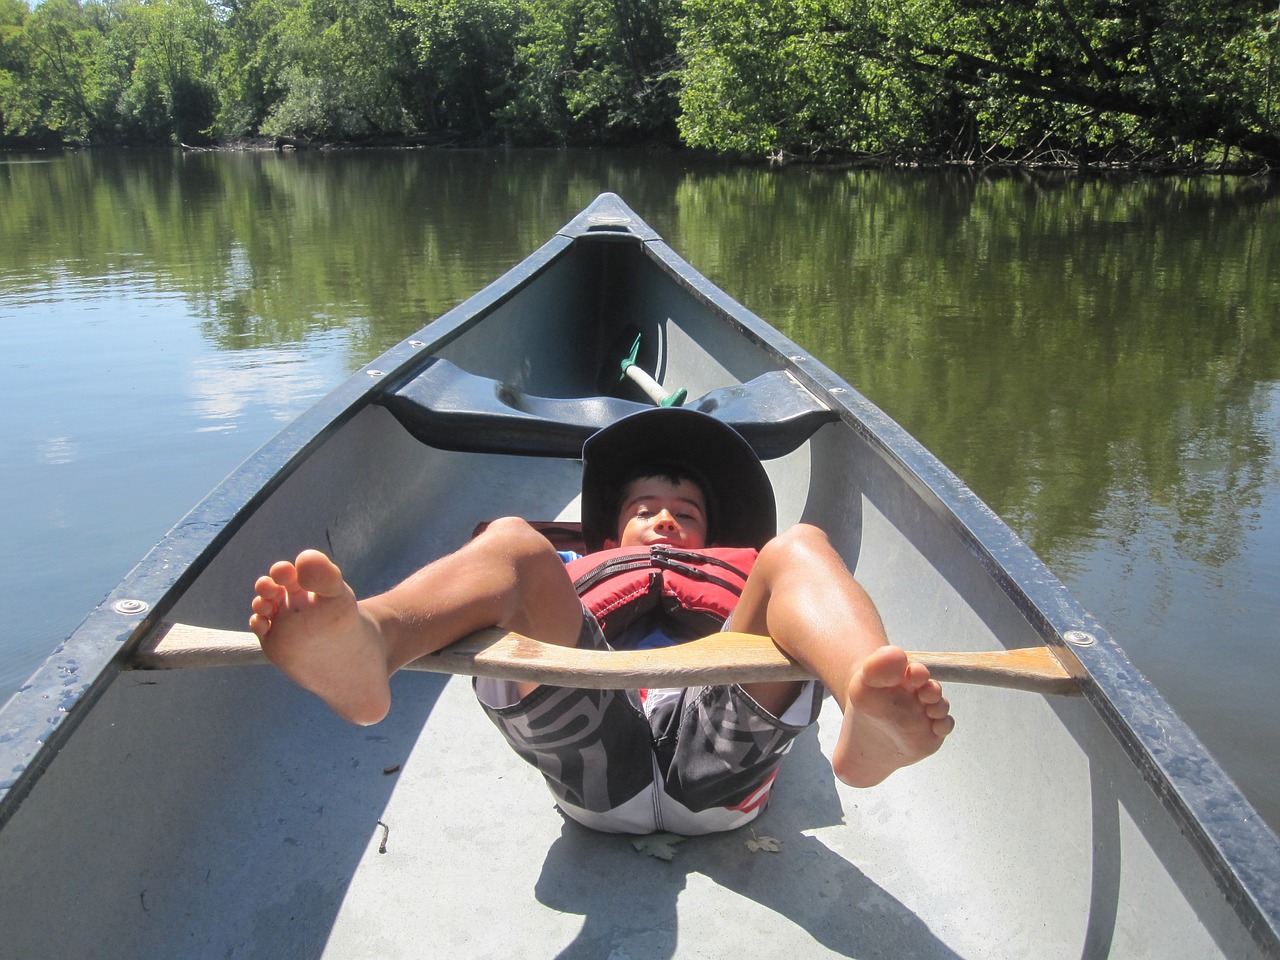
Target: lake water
1099	359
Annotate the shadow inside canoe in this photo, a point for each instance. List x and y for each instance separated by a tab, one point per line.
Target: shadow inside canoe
633	905
200	813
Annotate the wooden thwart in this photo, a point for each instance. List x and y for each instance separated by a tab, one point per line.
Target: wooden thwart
718	658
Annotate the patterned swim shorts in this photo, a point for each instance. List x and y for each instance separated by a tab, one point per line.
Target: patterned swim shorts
699	761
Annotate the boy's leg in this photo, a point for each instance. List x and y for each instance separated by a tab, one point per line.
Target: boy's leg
801	594
594	748
343	650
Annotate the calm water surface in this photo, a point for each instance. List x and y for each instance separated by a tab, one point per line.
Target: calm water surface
1098	359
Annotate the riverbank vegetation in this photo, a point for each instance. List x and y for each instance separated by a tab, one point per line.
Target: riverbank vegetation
1123	82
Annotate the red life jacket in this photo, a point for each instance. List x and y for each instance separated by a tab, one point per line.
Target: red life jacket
698	589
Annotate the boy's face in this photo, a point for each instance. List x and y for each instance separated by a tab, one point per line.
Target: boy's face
655	510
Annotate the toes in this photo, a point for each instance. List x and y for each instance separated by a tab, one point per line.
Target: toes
929	692
886	667
285	575
916	679
269	588
319	574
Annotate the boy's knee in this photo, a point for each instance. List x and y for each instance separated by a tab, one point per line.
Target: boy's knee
801	550
516	539
538	598
796	543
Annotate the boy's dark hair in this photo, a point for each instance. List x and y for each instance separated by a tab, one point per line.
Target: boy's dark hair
696	445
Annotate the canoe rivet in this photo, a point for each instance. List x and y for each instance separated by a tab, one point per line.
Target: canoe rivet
130	608
1079	638
416	344
375	373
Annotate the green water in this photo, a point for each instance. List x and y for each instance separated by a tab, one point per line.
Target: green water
1098	359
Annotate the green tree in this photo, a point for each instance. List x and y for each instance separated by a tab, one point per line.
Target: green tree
124	117
626	87
602	70
811	77
342	73
175	72
1171	76
981	77
249	67
112	70
1007	80
543	61
12	66
52	91
463	63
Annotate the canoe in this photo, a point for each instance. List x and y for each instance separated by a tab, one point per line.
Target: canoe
221	811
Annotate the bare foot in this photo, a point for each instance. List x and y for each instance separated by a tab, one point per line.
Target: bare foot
310	626
895	715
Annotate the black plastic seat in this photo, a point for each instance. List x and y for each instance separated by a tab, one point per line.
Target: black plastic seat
449	408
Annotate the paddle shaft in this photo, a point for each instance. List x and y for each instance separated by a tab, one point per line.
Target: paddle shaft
652	388
715	659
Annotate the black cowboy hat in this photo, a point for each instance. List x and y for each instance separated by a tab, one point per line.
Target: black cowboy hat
740	503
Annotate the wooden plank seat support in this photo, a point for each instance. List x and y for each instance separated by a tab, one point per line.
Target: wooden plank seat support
447	407
718	658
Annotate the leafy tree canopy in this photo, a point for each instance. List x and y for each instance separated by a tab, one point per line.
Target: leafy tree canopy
981	80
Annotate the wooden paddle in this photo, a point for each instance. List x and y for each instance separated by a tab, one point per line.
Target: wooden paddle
718	658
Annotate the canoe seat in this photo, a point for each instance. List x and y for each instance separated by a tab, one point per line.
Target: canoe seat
444	406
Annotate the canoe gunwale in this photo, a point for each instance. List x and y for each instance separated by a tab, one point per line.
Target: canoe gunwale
1229	836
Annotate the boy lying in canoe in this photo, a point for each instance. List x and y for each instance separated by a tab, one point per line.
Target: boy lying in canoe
665	483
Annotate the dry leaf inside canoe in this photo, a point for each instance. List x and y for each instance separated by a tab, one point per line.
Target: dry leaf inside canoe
758	844
660	845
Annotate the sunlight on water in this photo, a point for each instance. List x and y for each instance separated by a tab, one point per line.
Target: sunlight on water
229	390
